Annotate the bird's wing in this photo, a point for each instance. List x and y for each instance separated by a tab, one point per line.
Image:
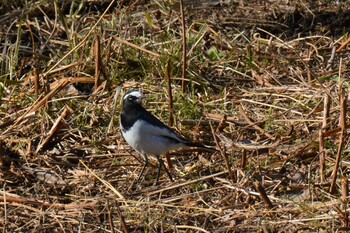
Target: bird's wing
161	129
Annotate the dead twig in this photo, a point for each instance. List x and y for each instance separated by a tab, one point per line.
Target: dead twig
176	186
122	219
342	121
184	53
343	45
345	195
72	206
222	152
322	152
171	109
61	120
263	195
107	184
97	62
81	42
157	55
246	118
36	82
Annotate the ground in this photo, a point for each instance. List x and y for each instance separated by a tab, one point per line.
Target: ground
265	83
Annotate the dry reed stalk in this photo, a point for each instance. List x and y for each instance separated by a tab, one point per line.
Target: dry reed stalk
110	217
171	109
122	219
82	41
157	55
42	101
272	106
194	228
222	152
97	61
263	195
60	121
62	68
219	117
246	118
170	94
321	156
184	53
36	81
221	125
322	152
342	122
104	182
248	192
343	45
345	196
243	163
114	109
176	186
2	145
188	195
72	206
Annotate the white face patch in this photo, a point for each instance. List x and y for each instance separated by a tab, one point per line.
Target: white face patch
135	93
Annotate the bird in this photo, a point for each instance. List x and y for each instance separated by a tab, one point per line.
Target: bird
146	134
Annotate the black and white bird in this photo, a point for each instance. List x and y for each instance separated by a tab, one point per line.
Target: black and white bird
147	134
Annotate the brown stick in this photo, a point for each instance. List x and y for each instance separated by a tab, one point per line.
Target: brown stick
246	118
327	104
322	155
44	204
36	82
342	121
122	219
322	152
62	68
82	41
343	45
263	195
243	159
184	53
222	124
177	186
136	47
222	152
170	94
171	110
344	194
345	191
110	217
97	62
40	102
56	126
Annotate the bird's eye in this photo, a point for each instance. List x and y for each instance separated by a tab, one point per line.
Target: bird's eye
130	98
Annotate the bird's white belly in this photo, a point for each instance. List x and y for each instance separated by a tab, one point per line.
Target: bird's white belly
148	139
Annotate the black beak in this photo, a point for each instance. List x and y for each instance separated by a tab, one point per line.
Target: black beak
139	99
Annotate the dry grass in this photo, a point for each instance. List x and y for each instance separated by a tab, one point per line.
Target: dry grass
266	83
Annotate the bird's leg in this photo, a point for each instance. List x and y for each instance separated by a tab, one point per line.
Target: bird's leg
160	164
143	168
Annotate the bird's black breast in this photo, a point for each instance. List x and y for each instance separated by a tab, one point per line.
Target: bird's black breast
128	117
127	120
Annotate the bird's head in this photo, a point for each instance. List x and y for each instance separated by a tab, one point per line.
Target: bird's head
133	98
